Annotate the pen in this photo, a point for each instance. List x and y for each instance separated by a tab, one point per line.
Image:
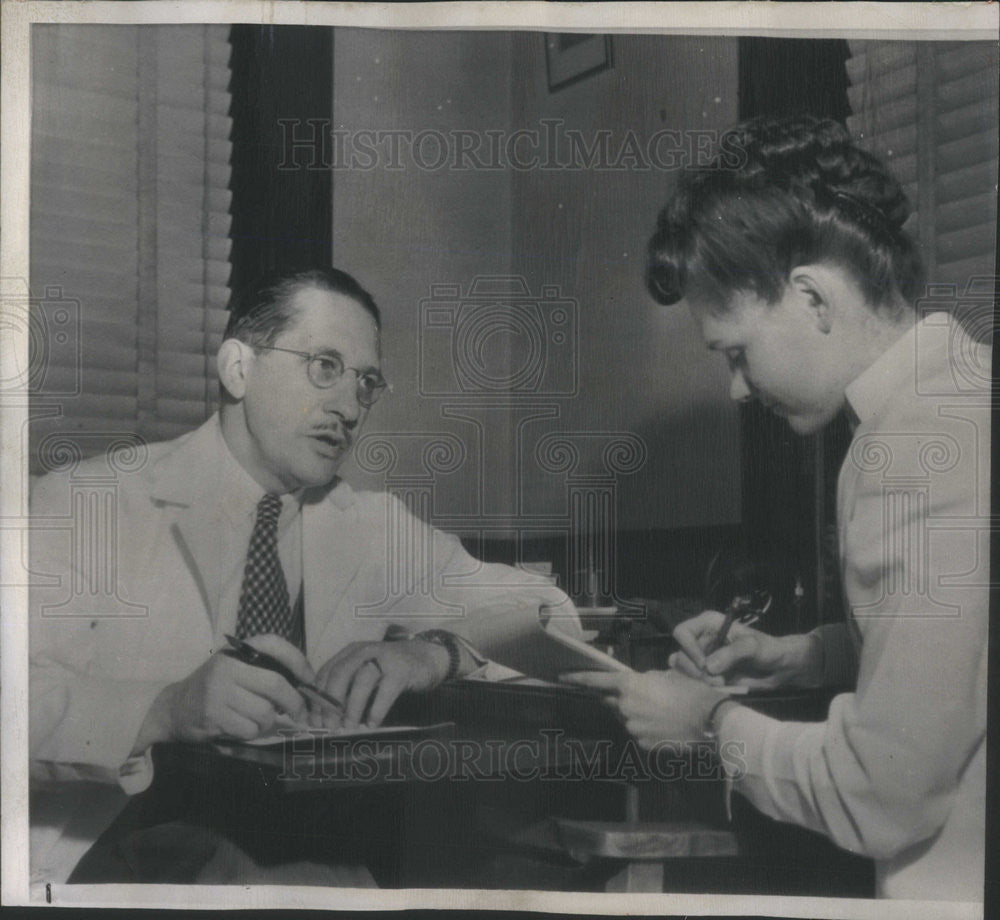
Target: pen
720	637
249	655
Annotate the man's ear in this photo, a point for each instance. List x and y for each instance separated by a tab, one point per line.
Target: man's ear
233	363
816	288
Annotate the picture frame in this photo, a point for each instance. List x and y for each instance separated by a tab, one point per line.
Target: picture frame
571	57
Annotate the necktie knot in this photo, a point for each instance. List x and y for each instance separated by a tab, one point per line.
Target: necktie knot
269	508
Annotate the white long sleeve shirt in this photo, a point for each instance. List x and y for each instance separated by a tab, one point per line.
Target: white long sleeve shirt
897	771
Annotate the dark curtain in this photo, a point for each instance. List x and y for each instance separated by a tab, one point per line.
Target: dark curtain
282	198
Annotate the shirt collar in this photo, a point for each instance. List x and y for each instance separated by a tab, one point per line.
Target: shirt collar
241	492
868	393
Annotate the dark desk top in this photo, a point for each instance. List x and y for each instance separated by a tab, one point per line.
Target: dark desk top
471	731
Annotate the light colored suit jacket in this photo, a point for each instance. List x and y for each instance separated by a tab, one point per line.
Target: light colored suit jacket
100	655
897	771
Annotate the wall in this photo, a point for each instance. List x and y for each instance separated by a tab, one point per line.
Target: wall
643	367
402	231
583	232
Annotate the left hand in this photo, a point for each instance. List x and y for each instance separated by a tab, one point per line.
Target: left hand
369	676
657	706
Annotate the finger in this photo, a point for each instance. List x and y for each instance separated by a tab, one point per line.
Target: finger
315	717
257	708
234	724
336	675
742	648
756	683
273	688
323	708
680	661
598	680
347	652
691	633
386	694
362	687
290	656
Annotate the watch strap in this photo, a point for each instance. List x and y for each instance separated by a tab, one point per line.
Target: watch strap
448	641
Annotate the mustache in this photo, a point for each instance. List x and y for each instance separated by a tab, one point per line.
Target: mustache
339	432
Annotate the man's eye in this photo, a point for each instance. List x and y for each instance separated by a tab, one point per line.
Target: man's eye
369	382
328	367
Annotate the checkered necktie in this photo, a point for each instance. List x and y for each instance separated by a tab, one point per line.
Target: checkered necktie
264	604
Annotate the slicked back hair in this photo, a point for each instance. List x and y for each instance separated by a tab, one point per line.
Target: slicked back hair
261	311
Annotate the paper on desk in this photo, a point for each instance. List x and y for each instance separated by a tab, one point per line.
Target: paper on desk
492	672
567	652
293	731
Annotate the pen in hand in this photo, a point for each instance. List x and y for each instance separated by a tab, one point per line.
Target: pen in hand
719	639
249	655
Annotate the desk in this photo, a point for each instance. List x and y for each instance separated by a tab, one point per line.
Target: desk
515	760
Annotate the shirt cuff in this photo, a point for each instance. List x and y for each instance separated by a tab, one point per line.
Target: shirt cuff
136	774
839	655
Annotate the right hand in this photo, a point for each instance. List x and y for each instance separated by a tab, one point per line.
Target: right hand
229	698
749	658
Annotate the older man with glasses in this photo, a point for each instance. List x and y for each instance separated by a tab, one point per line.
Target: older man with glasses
241	534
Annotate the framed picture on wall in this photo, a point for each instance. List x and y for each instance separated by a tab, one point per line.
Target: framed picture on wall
570	57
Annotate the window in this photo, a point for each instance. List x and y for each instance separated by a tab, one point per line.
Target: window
129	225
930	109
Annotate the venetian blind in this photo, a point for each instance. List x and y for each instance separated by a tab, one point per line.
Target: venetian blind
930	109
129	220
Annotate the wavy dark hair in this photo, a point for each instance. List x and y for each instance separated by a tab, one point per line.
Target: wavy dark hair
781	193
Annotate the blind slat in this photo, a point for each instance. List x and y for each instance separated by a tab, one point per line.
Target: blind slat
100	405
181	410
869	59
188	387
980	209
61	378
965	183
957	106
981	266
968	241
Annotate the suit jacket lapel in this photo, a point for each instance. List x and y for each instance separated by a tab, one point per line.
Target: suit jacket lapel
187	483
334	544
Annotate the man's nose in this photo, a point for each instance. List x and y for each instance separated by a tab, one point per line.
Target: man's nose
739	389
342	399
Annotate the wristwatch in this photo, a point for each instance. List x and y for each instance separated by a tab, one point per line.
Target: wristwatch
449	642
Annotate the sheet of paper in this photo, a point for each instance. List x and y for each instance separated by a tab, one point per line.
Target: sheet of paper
305	732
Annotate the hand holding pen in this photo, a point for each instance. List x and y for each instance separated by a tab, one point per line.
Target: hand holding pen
715	646
224	697
731	615
310	692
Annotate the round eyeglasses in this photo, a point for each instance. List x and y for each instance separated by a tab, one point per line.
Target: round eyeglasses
325	370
